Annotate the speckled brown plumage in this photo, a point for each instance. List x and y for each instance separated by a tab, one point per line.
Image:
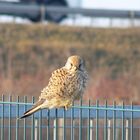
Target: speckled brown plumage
65	85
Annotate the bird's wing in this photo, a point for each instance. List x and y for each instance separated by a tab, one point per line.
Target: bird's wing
62	84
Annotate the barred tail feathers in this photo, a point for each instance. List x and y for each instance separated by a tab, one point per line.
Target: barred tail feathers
34	109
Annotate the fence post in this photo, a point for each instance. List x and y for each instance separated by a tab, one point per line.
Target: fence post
33	123
127	129
109	129
60	130
132	17
72	123
55	129
24	123
111	22
97	120
36	125
17	121
42	11
91	129
2	118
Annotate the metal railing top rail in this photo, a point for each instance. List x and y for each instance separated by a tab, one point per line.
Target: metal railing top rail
110	13
34	10
128	110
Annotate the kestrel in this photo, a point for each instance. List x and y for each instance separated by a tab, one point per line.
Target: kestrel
65	85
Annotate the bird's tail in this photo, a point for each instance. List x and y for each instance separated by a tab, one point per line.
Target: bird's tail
35	108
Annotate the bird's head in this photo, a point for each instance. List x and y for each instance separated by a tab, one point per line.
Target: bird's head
75	63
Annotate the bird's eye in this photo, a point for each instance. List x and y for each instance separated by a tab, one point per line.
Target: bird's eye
80	65
71	64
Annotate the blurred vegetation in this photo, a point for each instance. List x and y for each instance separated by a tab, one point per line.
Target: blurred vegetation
29	53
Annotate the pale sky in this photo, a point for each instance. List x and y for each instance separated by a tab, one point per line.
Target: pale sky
108	4
104	4
112	4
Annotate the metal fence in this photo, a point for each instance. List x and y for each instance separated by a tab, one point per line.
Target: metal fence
90	121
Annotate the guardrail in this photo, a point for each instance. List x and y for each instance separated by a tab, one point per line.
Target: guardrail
42	12
83	122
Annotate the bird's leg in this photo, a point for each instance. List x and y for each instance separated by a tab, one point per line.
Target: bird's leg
69	104
66	107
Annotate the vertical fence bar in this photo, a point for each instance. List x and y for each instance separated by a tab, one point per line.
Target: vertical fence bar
88	123
123	135
9	134
80	120
17	120
127	129
55	134
64	124
60	128
36	130
97	120
72	119
24	123
105	122
91	129
109	129
2	119
131	133
48	124
114	121
42	9
74	20
33	125
40	125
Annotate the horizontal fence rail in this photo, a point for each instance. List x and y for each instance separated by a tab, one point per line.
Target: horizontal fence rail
85	109
82	121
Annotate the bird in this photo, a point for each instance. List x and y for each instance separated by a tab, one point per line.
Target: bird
65	85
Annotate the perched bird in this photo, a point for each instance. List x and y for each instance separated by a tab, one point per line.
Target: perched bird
65	85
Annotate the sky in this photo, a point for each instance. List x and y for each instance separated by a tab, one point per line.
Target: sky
108	4
113	4
104	4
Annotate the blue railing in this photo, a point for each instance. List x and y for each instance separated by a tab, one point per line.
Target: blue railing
12	107
90	121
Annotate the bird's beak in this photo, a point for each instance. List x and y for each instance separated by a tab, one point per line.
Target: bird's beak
75	68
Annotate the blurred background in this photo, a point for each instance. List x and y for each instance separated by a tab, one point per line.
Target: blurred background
37	36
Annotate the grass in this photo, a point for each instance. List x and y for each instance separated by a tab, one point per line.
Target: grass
29	53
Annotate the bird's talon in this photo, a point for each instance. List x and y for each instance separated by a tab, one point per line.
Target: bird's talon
66	108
